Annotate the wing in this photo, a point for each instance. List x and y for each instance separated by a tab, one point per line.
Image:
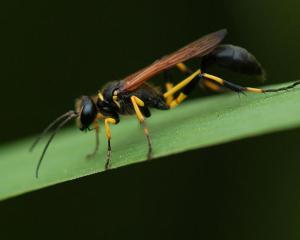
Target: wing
199	48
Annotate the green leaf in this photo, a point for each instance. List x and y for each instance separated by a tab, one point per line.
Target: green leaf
194	124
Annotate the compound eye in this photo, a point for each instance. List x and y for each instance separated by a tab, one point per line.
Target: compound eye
88	113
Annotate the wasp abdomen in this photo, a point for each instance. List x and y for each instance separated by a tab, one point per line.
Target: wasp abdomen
234	58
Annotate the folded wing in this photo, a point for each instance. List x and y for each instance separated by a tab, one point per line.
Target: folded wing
198	48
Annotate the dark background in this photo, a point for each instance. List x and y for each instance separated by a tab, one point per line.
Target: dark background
54	51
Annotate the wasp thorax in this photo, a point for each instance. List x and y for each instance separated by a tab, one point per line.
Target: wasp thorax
87	110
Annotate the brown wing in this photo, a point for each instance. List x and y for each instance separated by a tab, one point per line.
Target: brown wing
199	48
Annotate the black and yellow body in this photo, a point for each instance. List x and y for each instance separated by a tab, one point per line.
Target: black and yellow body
121	102
112	102
136	97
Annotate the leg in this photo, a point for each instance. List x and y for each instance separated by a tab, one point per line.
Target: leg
182	84
206	82
96	127
211	85
239	89
187	85
213	82
136	102
108	121
182	68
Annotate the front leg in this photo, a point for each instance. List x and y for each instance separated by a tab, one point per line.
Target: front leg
108	121
96	127
137	103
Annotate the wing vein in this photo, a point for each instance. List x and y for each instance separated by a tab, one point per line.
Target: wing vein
198	48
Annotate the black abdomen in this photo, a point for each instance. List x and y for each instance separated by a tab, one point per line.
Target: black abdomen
234	58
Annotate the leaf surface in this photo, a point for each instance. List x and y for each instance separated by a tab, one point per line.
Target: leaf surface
194	124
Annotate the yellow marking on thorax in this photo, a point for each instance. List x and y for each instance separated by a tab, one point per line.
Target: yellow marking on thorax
100	96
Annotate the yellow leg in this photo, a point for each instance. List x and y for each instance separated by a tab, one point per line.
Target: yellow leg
237	88
232	86
96	127
100	116
214	78
108	121
172	90
136	102
183	68
182	84
178	100
211	85
214	83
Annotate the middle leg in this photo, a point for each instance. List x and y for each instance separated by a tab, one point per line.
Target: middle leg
108	121
137	103
185	87
96	127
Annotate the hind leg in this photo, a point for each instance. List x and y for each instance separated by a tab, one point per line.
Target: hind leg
240	89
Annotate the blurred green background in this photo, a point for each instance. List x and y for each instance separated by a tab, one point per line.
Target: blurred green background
54	51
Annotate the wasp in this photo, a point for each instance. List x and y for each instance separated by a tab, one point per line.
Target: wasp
133	95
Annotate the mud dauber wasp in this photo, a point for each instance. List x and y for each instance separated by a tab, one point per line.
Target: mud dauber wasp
133	95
